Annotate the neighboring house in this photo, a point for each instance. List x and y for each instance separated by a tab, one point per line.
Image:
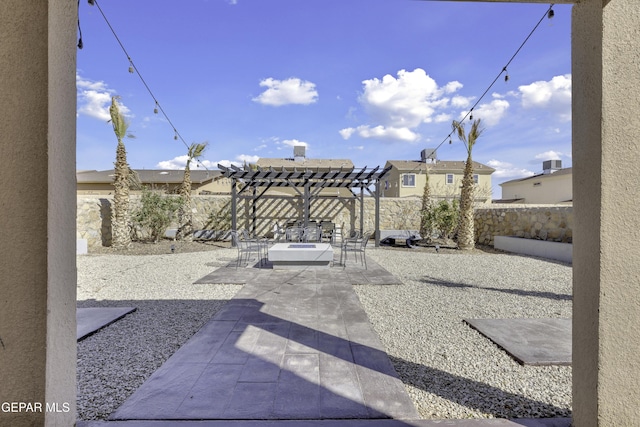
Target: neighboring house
553	185
300	162
202	181
407	178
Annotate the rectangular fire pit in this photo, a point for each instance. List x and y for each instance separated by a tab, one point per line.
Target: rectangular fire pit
296	256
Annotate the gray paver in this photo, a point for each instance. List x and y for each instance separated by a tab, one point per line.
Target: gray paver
542	422
530	341
286	347
91	319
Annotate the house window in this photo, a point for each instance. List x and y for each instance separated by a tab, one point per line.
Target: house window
409	180
476	177
449	178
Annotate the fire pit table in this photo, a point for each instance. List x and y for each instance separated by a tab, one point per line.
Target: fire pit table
297	256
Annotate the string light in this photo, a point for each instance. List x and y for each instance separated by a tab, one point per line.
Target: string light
133	69
548	14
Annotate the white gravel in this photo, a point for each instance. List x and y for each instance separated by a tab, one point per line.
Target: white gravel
449	370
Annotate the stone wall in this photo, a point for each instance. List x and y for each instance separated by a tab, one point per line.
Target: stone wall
543	222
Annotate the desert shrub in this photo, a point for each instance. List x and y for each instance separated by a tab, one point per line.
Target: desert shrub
156	213
440	220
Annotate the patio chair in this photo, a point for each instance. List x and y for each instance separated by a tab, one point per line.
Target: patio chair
328	230
357	245
294	234
312	234
245	248
263	244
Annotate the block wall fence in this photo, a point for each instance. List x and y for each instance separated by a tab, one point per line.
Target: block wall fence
544	222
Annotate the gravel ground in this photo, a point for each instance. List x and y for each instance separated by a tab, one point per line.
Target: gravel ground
450	370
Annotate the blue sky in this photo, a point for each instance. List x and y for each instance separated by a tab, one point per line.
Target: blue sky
367	80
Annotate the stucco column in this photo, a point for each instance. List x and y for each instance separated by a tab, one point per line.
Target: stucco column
37	212
606	244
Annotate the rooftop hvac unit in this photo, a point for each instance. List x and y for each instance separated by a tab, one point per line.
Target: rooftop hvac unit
549	166
428	154
299	152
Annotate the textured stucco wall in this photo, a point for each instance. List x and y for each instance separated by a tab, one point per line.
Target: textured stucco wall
37	267
606	155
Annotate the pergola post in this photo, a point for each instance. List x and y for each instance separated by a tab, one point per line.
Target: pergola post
234	207
305	207
377	212
361	209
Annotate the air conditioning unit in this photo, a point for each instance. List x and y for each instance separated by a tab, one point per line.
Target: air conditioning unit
299	152
428	154
550	166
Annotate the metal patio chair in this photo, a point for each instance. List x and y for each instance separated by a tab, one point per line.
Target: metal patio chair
245	248
357	245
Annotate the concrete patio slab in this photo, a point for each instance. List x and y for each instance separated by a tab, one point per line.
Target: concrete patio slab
541	422
92	319
529	341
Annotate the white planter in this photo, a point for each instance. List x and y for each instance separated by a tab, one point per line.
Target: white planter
539	248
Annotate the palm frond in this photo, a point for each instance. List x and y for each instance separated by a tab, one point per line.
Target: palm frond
119	122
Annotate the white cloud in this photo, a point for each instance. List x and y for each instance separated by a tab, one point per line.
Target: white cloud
247	158
94	99
180	163
506	170
550	155
442	118
406	101
382	132
289	91
461	101
291	143
554	95
357	147
491	113
260	147
240	160
346	132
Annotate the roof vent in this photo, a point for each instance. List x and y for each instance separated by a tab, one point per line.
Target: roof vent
551	166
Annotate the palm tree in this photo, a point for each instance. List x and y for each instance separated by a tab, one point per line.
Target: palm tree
466	235
425	228
185	231
121	237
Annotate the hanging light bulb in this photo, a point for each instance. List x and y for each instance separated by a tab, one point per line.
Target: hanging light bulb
176	135
155	110
471	114
551	14
130	66
449	140
506	76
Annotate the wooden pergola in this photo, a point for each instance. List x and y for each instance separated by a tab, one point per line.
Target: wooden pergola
253	183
